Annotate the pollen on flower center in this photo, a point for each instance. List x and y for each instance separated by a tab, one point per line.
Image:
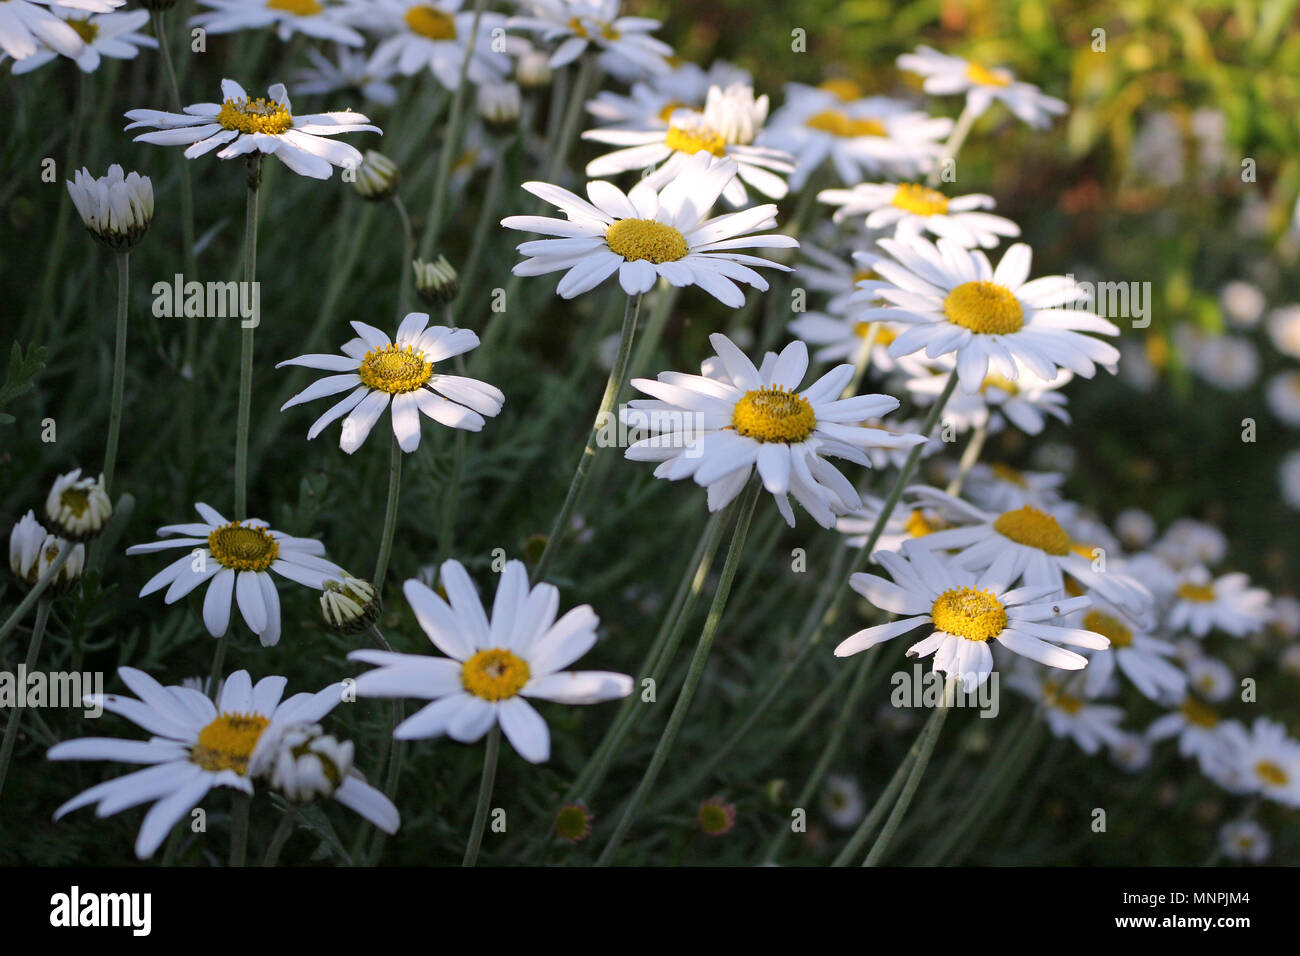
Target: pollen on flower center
774	414
395	369
969	613
839	123
85	29
494	674
695	138
978	73
636	239
845	90
1035	529
428	21
76	500
243	548
1271	773
1197	713
669	108
255	116
984	307
1111	628
920	200
918	525
228	742
1054	696
300	8
1200	593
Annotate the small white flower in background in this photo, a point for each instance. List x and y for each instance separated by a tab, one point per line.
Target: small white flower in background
267	125
1289	661
116	209
350	71
648	234
377	177
1263	760
1091	726
955	302
1283	327
193	746
910	209
1288	478
379	370
1188	542
499	105
78	508
435	35
966	612
1135	527
718	427
1027	402
1245	840
532	67
947	75
235	557
1282	392
1197	727
493	663
1243	303
1286	616
32	550
651	103
103	35
349	605
1229	362
27	26
317	19
1203	603
726	127
1140	657
1210	678
996	486
842	802
1131	753
627	50
903	524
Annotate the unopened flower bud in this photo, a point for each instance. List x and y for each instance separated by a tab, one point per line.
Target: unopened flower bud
377	177
116	208
534	69
436	282
302	762
32	550
78	508
349	605
499	106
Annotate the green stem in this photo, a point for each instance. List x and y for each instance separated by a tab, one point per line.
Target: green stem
280	837
694	673
246	340
955	139
218	661
490	756
34	595
239	828
969	456
573	110
390	516
15	713
119	371
404	279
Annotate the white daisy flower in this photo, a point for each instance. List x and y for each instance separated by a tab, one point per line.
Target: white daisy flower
350	71
1203	603
1263	759
1197	726
1288	478
727	127
956	302
1245	841
233	558
1228	362
28	25
32	550
434	34
264	125
910	209
1188	542
1132	753
645	235
493	663
947	75
1135	527
103	35
966	612
1283	326
196	746
627	49
317	19
999	487
843	337
1027	402
717	428
903	524
78	508
379	370
1143	659
1089	725
1286	616
1210	677
842	802
861	136
848	284
1282	392
650	104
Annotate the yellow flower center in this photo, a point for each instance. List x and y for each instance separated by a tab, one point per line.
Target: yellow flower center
862	275
845	90
1201	593
1055	697
395	369
1111	628
1197	713
255	116
984	307
494	674
228	742
918	525
428	21
671	107
1271	773
978	73
581	29
573	822
243	548
1008	474
920	200
695	139
656	242
1035	529
884	335
299	8
839	123
994	380
84	29
76	500
969	613
774	414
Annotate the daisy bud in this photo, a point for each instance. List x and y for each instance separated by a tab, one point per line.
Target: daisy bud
717	816
349	605
573	822
116	208
377	177
76	507
534	69
499	105
436	282
302	762
32	550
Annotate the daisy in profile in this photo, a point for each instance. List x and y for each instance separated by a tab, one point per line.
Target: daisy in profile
111	35
910	209
1090	725
196	746
28	25
349	72
233	558
1027	402
375	370
493	664
626	47
241	125
316	19
32	551
861	136
435	35
651	103
955	302
947	75
902	525
1263	760
717	428
1203	603
966	611
647	234
727	126
1143	659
